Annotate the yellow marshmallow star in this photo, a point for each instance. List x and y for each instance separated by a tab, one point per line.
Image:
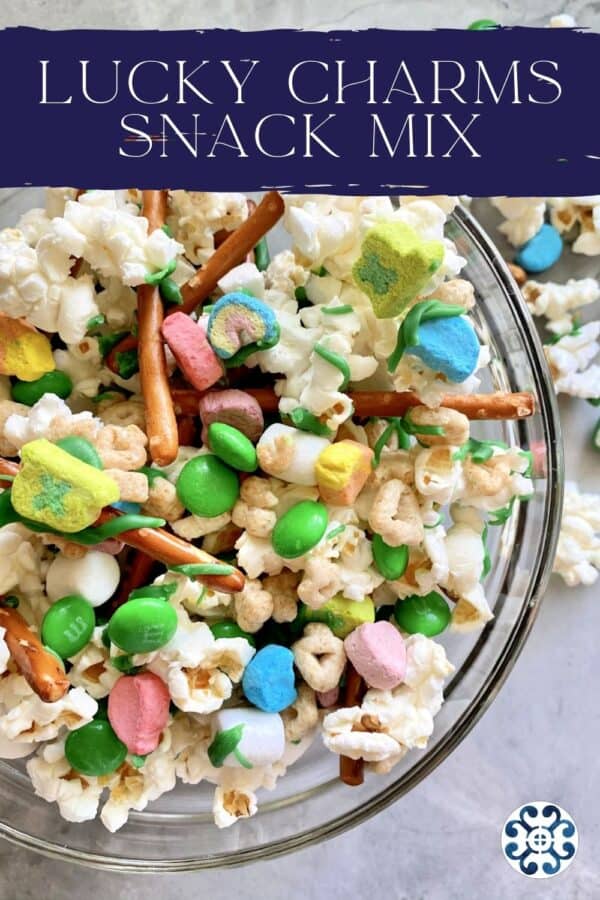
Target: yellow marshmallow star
342	470
58	490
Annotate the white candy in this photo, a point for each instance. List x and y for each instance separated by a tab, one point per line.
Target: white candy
290	454
95	576
263	739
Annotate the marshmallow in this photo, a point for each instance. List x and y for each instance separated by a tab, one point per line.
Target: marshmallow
541	251
251	737
138	710
377	652
290	454
342	470
268	681
94	576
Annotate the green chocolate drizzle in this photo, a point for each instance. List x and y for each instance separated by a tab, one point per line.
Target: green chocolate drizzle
337	310
408	333
224	743
304	420
335	360
193	569
479	451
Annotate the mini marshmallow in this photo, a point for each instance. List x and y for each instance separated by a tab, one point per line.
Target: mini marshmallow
94	576
449	346
268	681
262	739
541	251
290	454
377	652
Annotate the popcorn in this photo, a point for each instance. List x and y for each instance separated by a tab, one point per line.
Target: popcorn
91	668
49	415
389	723
578	554
524	216
570	361
4	652
557	301
76	796
195	217
113	241
32	720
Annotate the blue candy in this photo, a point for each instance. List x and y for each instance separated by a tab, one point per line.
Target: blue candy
268	681
542	251
449	346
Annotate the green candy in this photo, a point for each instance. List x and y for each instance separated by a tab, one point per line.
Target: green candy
207	487
81	448
428	615
232	446
29	392
142	625
390	562
95	749
482	25
68	625
170	292
299	529
230	629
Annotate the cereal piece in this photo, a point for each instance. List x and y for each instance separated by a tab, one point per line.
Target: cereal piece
377	652
195	357
449	346
133	486
56	489
395	514
24	352
457	292
9	408
268	681
253	606
455	426
231	407
246	738
342	470
256	521
290	454
192	527
238	321
541	251
283	589
394	266
124	413
138	710
95	576
163	501
319	657
302	716
122	447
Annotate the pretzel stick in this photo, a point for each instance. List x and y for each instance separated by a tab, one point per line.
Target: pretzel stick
231	252
171	550
40	668
388	403
351	770
138	569
161	425
186	429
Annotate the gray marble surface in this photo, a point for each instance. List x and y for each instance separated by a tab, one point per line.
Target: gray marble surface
538	741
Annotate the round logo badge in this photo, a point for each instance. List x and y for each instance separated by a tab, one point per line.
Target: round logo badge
539	839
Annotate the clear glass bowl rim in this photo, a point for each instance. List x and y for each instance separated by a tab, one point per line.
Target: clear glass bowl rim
548	410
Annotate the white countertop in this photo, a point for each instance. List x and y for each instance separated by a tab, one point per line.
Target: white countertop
539	740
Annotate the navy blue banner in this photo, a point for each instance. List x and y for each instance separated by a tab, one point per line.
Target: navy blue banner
506	111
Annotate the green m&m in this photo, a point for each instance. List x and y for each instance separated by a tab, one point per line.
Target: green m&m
390	562
142	625
207	487
68	625
299	529
94	749
81	448
428	615
230	629
232	446
29	392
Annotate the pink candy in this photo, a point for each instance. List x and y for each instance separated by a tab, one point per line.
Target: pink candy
235	408
195	357
138	710
329	698
377	652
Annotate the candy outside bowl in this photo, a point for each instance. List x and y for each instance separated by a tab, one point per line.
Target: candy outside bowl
310	804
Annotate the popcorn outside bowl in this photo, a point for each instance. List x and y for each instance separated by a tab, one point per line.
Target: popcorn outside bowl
310	804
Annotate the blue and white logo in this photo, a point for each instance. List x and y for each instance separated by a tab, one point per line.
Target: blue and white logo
539	839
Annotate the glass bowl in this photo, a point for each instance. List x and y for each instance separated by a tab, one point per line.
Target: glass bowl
310	804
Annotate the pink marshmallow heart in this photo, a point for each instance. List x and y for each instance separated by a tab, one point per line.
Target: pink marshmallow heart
377	652
138	710
195	357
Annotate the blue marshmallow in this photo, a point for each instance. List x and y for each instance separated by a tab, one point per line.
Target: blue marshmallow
268	681
542	251
449	346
